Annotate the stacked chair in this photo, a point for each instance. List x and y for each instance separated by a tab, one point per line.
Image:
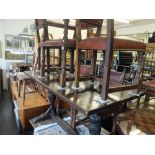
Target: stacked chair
110	82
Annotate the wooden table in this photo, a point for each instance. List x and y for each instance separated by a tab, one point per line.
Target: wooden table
136	122
85	99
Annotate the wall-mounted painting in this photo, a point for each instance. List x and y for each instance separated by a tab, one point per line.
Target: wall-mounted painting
13	56
9	41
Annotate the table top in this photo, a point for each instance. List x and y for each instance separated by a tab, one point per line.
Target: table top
85	99
136	122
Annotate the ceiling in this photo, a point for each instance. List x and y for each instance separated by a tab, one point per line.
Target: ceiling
132	22
127	24
119	23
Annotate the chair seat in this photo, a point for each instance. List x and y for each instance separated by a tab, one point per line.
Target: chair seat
58	43
116	77
99	43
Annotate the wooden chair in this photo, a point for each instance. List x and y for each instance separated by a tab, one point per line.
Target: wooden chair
62	45
135	122
100	43
149	89
108	45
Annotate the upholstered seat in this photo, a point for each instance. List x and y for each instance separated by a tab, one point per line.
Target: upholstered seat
116	77
99	43
86	70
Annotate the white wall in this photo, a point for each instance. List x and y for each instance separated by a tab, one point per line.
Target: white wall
136	29
12	27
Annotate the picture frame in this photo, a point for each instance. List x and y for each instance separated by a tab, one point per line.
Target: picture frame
9	41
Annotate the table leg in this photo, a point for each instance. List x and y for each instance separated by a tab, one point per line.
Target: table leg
51	98
95	122
138	102
147	97
73	118
49	112
44	93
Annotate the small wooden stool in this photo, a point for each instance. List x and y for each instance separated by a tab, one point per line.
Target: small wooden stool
23	79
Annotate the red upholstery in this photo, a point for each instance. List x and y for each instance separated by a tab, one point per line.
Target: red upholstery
100	44
116	77
86	70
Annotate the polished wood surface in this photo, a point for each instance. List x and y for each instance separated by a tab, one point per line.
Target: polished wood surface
136	122
108	58
83	100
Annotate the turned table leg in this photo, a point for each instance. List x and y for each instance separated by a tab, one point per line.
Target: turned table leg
49	112
51	98
95	122
73	118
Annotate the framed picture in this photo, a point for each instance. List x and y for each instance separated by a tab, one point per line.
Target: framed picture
16	43
12	56
9	41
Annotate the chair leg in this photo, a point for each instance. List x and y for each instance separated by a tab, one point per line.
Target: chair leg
73	118
147	98
44	93
18	87
113	128
24	84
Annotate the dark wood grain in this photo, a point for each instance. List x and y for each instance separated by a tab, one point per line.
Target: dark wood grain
72	60
63	55
108	58
84	100
77	53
